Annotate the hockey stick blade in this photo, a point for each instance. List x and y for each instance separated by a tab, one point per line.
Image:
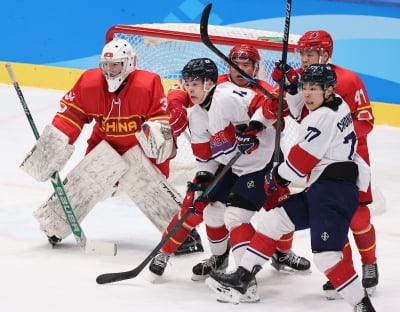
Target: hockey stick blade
92	247
206	40
120	276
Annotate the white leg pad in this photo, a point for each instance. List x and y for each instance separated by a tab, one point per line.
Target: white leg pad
149	189
86	184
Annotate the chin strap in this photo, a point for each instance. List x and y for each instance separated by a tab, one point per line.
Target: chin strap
207	101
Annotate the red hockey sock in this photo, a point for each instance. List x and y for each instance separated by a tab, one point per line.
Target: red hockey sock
263	244
364	234
341	274
216	234
241	234
285	242
366	244
347	253
178	238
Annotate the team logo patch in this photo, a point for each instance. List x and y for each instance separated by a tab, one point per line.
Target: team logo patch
250	184
325	236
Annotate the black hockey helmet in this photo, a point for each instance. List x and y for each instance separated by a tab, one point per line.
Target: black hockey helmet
322	74
203	68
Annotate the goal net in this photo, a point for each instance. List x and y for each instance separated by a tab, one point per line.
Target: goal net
166	48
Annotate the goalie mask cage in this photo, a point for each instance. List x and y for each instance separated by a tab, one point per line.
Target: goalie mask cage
165	48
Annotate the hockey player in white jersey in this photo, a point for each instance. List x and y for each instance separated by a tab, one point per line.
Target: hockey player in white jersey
325	154
220	114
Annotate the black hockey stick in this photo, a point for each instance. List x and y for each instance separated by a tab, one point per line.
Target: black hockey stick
80	237
120	276
206	40
282	83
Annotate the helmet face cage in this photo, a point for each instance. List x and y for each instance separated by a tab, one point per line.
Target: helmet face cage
322	74
318	40
245	51
201	68
117	51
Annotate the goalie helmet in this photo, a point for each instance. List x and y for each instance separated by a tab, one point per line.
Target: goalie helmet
200	68
322	74
316	40
245	51
117	51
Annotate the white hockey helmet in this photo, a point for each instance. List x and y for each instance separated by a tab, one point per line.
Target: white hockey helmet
117	51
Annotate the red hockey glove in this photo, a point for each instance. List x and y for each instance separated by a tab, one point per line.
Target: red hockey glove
281	195
285	71
195	199
178	120
270	109
273	181
246	138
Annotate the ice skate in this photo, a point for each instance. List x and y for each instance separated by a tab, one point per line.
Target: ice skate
192	244
330	291
231	287
251	295
203	269
370	277
364	305
289	262
159	263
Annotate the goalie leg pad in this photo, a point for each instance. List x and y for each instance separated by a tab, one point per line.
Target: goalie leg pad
50	154
149	189
86	184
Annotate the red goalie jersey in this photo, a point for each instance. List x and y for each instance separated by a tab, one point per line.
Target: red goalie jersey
117	115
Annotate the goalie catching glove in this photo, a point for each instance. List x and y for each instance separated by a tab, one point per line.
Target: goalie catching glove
195	200
156	140
50	154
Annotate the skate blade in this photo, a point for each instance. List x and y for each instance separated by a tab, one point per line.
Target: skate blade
199	278
370	290
332	295
288	269
225	294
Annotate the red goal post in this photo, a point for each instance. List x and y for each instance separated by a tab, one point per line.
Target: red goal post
166	48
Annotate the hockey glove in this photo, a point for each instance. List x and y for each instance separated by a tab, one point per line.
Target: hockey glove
273	181
270	109
277	198
246	136
178	120
195	200
285	71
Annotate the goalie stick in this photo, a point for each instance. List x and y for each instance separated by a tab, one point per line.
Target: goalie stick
120	276
206	40
94	247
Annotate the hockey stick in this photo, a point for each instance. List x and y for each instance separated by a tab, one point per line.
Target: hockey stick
80	237
206	40
120	276
282	83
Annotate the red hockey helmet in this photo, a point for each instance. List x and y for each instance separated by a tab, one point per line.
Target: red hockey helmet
316	40
245	51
